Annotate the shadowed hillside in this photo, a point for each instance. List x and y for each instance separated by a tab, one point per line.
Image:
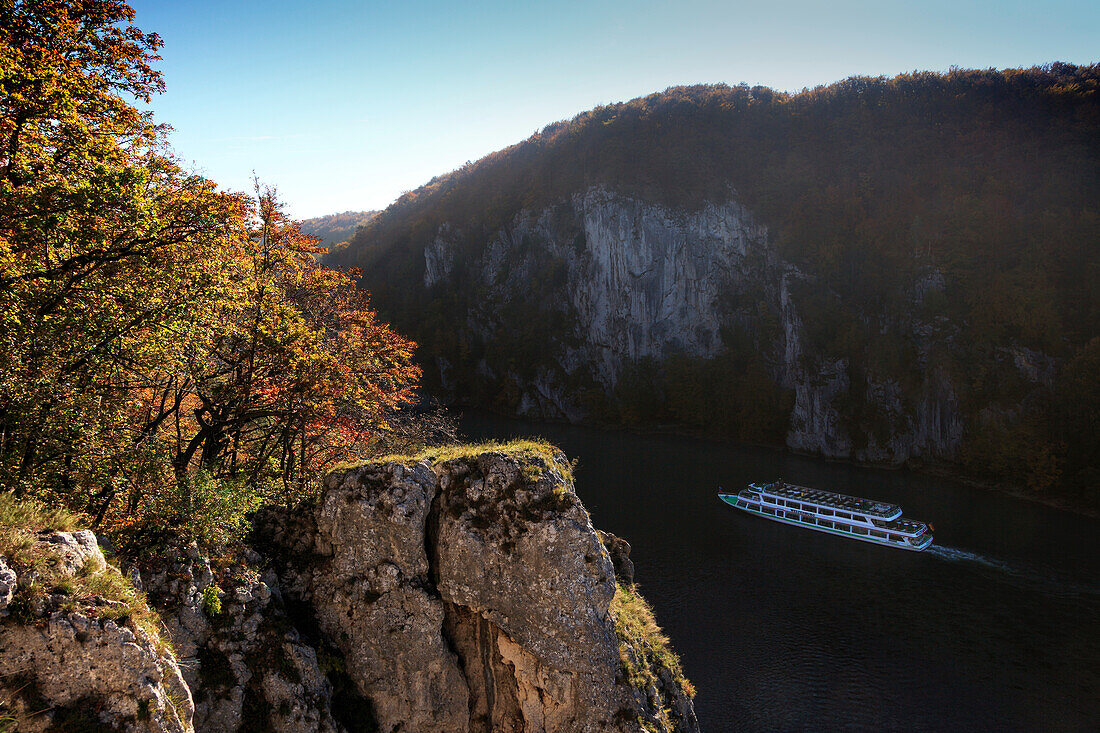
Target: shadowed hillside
914	279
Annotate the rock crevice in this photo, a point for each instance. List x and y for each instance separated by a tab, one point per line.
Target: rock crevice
470	594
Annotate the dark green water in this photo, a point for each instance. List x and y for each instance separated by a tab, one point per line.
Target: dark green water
994	628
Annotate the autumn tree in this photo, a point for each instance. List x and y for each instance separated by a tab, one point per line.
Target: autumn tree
298	370
100	236
158	333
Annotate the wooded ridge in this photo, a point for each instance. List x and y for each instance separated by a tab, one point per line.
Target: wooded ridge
959	205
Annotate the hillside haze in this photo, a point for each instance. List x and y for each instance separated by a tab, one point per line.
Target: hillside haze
335	230
888	270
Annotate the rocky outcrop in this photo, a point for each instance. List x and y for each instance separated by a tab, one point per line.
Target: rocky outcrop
374	595
70	658
469	594
618	550
246	663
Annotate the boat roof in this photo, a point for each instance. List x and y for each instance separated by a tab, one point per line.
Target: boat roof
830	499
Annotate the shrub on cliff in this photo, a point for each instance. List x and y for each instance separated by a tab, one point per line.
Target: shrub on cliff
643	645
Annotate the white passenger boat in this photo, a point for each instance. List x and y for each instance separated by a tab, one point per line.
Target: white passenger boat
847	516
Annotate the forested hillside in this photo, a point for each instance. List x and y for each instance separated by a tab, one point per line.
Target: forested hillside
940	234
334	230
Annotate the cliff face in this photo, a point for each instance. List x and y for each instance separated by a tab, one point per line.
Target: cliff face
458	591
618	281
624	280
471	595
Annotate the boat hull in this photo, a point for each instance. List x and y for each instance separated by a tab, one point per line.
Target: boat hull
740	503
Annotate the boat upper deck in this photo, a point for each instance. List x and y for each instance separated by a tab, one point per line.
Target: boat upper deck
876	509
908	526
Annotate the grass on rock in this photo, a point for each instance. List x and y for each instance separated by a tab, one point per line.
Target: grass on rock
643	646
534	455
20	521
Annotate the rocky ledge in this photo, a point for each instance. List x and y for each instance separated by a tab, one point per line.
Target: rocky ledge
77	650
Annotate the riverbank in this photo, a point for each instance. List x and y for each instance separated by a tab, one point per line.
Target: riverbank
1075	504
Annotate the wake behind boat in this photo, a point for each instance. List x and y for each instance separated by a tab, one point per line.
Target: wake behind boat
825	511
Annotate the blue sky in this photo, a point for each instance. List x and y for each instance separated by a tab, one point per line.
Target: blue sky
345	105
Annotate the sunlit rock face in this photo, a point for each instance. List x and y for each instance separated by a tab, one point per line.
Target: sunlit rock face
471	595
68	666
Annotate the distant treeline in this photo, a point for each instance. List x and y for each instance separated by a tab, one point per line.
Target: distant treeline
990	178
336	229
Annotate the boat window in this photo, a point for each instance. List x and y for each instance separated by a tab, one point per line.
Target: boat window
860	530
877	533
845	515
827	512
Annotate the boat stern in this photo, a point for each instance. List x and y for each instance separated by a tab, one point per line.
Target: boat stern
921	543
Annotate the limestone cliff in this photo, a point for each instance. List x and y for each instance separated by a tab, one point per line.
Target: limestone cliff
471	593
616	280
607	280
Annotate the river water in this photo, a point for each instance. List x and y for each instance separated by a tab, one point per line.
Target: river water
996	627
